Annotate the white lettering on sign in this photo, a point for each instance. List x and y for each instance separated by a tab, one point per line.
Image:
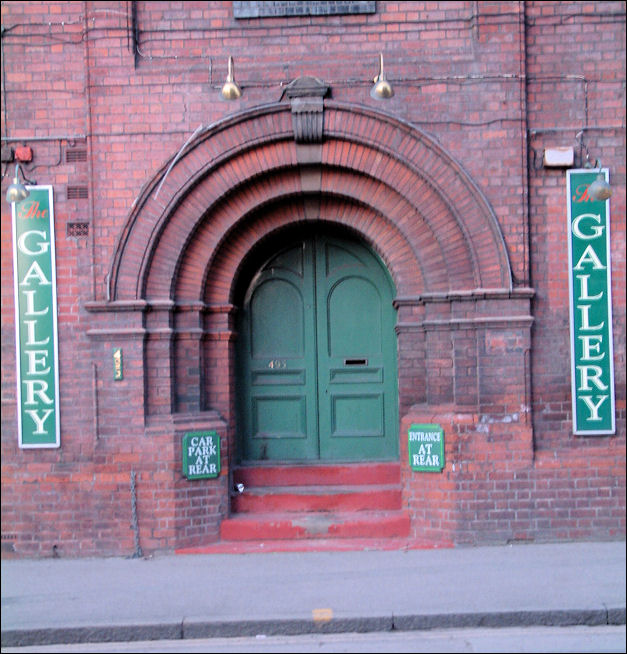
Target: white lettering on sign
202	469
424	436
429	460
37	359
34	361
594	408
35	272
589	256
591	349
201	455
585	318
39	421
36	387
596	230
30	328
591	374
30	305
44	245
201	446
583	284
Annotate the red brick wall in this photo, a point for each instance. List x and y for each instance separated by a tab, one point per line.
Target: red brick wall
490	83
575	77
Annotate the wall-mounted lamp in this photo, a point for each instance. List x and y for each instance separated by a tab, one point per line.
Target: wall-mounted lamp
17	191
599	189
382	89
230	90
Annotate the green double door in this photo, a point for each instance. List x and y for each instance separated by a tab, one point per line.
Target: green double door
317	356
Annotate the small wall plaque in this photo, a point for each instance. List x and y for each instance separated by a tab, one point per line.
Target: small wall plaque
118	368
426	448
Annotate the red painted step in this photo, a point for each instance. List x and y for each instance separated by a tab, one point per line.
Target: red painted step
313	545
316	503
278	526
264	499
319	475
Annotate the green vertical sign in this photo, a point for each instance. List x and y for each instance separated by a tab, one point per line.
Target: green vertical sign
35	289
590	294
118	364
426	448
201	454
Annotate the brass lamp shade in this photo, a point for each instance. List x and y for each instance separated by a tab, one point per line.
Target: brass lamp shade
16	191
382	89
230	90
600	189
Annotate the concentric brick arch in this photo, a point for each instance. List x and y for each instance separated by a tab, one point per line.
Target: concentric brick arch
417	207
221	243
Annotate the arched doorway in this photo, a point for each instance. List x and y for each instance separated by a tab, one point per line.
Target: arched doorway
316	353
183	263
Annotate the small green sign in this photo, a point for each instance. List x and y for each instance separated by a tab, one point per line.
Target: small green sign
118	367
426	448
201	455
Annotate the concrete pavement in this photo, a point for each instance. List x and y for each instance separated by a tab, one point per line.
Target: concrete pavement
50	601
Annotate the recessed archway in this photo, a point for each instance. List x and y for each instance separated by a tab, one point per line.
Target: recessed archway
184	253
239	181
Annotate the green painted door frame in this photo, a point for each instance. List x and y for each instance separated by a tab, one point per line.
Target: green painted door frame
317	356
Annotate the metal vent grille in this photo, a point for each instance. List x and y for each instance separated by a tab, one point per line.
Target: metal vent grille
77	193
75	155
77	230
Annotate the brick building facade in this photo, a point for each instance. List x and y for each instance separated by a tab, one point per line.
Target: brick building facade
174	206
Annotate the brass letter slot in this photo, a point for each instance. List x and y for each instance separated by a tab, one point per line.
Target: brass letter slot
355	362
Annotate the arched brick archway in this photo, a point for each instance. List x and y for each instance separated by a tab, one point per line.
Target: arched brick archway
462	330
238	181
404	182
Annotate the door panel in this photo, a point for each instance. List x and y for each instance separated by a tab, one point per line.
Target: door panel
317	356
353	318
357	355
273	298
279	416
357	415
277	373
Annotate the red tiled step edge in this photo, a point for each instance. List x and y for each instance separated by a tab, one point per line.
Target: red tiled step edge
317	498
282	526
314	545
353	474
